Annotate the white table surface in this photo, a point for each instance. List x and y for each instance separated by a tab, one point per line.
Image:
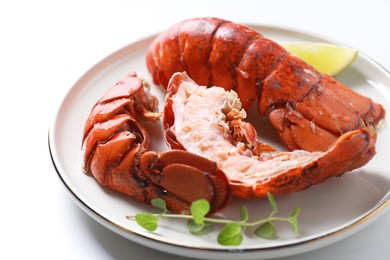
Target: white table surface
45	46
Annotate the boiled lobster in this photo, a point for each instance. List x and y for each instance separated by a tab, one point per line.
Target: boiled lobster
115	145
215	157
204	121
310	110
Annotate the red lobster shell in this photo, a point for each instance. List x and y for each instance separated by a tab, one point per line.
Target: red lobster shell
310	110
115	145
200	119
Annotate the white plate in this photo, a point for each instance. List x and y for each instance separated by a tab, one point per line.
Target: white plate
329	211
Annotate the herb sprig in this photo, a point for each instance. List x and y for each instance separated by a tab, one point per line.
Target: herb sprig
231	233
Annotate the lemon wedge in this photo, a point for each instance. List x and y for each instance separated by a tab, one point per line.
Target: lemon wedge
327	58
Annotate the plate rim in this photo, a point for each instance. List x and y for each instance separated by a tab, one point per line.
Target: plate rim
364	219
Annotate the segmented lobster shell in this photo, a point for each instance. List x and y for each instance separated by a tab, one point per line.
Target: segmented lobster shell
310	110
197	119
115	152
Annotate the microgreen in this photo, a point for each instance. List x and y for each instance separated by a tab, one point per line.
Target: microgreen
159	204
147	221
244	214
231	233
199	210
266	230
197	229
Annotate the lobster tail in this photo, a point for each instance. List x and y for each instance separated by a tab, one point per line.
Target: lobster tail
201	124
115	145
310	110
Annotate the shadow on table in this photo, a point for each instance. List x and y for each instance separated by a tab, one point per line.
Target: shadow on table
121	248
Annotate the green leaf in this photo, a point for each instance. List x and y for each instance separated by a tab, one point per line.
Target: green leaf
147	221
198	229
159	203
195	228
230	235
267	230
293	219
244	213
296	212
272	201
199	210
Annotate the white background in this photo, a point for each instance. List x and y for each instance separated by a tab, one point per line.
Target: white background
45	46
